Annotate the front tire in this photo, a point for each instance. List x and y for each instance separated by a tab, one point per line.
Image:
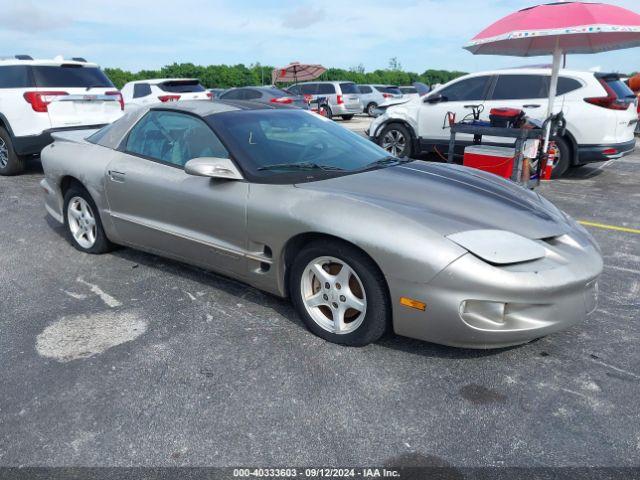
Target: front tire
340	294
10	162
82	222
396	139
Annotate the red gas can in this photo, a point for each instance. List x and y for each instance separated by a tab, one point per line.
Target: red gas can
497	160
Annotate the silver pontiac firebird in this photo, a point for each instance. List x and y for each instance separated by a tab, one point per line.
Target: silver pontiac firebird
298	206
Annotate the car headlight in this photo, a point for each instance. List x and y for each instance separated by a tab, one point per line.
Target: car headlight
499	247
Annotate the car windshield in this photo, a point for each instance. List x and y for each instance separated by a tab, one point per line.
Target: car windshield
289	146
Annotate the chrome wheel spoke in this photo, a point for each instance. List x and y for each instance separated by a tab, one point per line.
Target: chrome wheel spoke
321	274
353	302
338	318
316	300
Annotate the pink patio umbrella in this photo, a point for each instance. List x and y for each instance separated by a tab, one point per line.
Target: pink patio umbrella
559	28
297	72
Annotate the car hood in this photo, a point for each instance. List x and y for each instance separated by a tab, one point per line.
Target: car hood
450	199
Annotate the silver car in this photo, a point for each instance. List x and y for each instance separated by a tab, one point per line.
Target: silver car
343	98
296	205
373	95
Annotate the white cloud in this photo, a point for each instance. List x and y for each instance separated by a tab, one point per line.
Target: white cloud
303	17
26	17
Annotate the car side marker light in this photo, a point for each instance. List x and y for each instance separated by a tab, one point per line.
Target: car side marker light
411	303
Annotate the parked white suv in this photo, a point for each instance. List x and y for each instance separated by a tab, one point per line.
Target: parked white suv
600	111
146	92
38	97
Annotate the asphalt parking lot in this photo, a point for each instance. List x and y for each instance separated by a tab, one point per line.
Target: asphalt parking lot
129	359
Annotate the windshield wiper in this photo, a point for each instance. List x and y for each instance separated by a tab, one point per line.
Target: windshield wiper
387	161
301	166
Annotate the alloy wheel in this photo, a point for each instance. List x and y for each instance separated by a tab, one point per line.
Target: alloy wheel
394	142
82	222
4	154
333	295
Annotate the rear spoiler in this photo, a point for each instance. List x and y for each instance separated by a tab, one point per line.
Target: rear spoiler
73	136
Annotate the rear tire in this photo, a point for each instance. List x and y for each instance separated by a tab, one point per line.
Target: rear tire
347	301
347	117
10	162
563	161
396	139
82	222
371	109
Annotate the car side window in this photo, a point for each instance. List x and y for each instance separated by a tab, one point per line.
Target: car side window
141	90
471	89
364	89
326	89
15	76
236	94
309	89
566	85
251	94
295	90
173	138
520	87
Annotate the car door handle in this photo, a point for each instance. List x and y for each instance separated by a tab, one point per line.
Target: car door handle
532	105
116	176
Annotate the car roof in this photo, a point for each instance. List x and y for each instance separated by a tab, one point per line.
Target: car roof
47	62
206	108
530	71
156	81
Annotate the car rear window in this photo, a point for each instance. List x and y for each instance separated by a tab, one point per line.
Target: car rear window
623	92
408	90
70	76
393	90
15	76
349	88
181	86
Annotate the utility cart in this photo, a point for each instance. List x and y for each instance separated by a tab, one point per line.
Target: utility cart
525	163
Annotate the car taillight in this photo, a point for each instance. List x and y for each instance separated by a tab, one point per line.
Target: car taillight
282	100
169	98
387	95
40	100
120	98
610	151
340	100
610	102
209	95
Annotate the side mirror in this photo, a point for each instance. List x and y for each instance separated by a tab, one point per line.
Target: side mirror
213	167
435	98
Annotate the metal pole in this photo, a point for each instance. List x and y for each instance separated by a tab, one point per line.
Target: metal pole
553	90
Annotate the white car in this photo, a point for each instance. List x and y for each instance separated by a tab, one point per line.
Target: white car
162	90
600	112
38	97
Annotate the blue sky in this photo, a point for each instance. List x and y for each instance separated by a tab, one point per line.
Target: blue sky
142	34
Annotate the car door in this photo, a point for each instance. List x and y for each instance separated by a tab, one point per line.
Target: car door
156	206
457	97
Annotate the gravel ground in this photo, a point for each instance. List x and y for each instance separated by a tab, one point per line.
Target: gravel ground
128	359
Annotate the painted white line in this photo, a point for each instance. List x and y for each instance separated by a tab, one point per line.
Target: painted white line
105	297
622	269
626	372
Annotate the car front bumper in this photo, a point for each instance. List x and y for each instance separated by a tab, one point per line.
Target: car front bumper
473	304
602	153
